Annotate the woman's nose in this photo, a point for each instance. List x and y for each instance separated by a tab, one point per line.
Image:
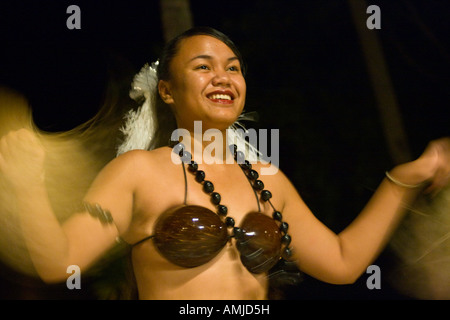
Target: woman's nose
221	78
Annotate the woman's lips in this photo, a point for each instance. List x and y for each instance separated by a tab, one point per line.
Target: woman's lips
221	97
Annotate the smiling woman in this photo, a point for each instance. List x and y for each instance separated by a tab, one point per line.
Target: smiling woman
206	83
209	230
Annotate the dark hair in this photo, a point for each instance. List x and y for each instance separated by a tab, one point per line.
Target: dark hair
172	47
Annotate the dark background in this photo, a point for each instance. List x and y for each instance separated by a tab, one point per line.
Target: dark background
307	77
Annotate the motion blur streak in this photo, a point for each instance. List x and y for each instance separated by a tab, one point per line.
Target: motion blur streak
73	159
422	244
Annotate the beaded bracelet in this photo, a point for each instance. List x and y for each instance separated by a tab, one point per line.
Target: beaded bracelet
401	184
96	211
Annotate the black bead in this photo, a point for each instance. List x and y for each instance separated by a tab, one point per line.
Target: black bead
238	233
287	253
186	157
266	195
286	239
247	165
199	176
208	186
229	222
240	157
222	210
277	215
258	185
215	198
193	166
178	148
252	175
284	227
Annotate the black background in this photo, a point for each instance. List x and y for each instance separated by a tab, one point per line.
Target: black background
307	77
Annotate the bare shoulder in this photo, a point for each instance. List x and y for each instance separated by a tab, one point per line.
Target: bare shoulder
275	181
126	171
139	156
272	175
141	161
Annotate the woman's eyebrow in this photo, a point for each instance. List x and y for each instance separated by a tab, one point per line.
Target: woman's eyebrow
208	57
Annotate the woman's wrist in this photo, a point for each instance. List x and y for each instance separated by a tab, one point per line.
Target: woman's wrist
401	184
414	174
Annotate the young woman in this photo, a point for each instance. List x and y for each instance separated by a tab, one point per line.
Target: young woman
210	229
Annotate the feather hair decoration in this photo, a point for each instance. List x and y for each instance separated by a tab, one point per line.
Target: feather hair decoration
236	135
140	125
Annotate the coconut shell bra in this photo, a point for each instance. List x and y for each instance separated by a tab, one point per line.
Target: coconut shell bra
190	235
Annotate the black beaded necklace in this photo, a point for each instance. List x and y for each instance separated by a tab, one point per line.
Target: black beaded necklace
241	234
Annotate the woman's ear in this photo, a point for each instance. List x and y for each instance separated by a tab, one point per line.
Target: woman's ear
165	92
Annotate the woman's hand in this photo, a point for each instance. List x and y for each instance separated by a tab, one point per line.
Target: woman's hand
431	168
22	158
437	155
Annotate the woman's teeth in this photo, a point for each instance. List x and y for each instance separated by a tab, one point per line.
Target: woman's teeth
220	97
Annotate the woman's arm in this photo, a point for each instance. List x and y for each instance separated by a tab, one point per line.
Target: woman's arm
342	258
82	238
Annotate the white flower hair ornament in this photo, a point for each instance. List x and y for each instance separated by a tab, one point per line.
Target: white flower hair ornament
140	125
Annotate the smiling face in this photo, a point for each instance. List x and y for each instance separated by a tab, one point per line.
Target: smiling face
206	84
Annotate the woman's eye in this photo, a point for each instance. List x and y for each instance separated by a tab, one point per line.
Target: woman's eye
233	68
202	67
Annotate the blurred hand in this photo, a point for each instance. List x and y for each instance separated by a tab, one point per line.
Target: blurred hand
22	158
437	155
